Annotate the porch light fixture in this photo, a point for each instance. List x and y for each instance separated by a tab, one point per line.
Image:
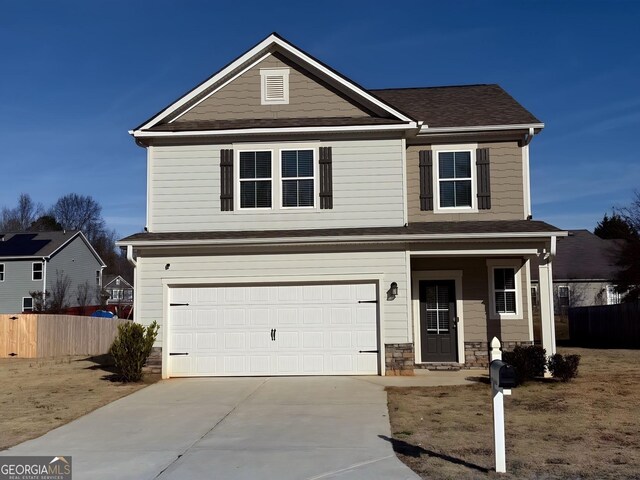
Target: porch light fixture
393	291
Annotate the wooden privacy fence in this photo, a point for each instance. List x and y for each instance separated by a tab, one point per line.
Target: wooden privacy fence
37	336
605	325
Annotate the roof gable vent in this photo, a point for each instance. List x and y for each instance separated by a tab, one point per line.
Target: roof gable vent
274	86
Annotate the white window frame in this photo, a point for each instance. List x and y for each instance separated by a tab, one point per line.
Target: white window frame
314	152
436	151
27	309
33	271
566	289
274	72
2	272
276	175
517	266
238	180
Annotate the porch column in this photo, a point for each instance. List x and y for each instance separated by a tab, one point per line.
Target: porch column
545	274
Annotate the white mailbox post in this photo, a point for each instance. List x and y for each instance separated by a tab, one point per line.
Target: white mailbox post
502	380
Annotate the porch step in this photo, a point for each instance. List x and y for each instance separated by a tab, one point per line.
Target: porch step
437	367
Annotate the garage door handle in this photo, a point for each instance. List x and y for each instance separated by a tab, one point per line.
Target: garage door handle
178	304
369	351
273	334
178	353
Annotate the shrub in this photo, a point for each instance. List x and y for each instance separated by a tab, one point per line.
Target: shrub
528	361
564	367
131	348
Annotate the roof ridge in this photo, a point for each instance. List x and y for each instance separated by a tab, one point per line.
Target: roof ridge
438	86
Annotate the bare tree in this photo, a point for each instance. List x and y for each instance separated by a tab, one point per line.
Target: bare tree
59	294
20	218
80	212
85	296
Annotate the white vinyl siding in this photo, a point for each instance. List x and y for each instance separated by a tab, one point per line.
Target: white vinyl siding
184	190
272	268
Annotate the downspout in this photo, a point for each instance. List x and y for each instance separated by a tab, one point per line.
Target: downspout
44	281
133	262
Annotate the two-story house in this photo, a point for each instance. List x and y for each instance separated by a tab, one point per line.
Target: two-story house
54	263
119	291
300	224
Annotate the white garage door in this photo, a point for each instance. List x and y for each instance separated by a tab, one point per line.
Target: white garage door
273	330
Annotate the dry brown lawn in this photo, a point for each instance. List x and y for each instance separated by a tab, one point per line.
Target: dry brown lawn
587	429
38	395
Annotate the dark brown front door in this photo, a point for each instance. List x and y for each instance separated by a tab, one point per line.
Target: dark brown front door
438	322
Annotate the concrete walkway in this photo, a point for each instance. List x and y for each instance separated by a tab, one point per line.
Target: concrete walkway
234	428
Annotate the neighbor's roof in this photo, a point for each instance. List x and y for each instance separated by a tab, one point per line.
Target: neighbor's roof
38	244
436	229
583	256
458	106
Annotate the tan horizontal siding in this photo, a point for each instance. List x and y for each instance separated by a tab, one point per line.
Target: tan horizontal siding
269	268
240	99
185	190
507	194
475	292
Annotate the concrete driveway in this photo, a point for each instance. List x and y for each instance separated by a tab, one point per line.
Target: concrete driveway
233	428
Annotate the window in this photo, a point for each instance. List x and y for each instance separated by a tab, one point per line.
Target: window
613	297
297	178
455	178
563	295
255	179
274	86
505	289
1	272
534	296
98	277
36	272
27	304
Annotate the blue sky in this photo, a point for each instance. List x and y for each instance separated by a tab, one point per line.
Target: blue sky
76	75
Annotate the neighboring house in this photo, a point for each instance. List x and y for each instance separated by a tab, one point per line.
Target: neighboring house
583	272
300	224
119	290
46	262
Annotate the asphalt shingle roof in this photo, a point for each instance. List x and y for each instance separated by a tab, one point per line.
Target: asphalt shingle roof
32	244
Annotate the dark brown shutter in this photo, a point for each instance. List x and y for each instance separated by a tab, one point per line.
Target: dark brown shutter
326	178
484	184
226	180
426	180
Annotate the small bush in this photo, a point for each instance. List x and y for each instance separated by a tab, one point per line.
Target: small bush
131	348
528	361
564	367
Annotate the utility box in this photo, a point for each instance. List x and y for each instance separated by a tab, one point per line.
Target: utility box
502	374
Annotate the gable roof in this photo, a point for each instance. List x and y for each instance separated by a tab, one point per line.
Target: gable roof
29	245
459	106
273	42
583	256
109	279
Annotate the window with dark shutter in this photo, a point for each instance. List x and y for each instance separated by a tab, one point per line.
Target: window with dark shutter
484	184
326	178
426	180
226	180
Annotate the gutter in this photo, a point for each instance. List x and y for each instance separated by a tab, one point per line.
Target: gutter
130	258
341	240
477	128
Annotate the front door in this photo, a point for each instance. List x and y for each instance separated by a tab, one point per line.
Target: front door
438	321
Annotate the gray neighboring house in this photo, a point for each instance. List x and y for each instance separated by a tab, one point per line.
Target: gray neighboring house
120	291
34	261
583	272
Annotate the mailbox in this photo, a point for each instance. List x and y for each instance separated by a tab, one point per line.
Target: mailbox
502	374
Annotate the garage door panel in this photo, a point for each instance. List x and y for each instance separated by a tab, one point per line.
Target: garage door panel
319	330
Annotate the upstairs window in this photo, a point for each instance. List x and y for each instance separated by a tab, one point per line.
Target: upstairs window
274	86
36	271
455	179
1	272
98	277
297	178
255	179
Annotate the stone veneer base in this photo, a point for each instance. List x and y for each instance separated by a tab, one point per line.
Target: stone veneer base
154	362
476	354
399	358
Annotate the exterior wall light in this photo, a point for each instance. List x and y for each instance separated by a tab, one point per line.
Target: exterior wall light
393	291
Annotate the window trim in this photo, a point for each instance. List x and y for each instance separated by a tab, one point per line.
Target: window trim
238	180
27	309
276	175
33	271
517	266
3	272
465	147
271	72
316	166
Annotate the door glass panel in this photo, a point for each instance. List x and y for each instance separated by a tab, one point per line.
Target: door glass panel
437	306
